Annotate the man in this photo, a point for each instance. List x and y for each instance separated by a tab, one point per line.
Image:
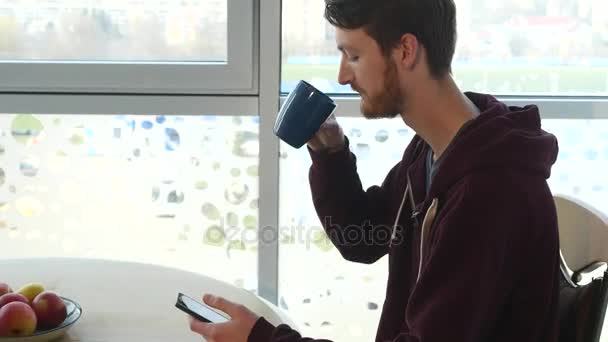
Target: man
473	250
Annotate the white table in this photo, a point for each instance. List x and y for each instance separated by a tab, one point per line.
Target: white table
124	301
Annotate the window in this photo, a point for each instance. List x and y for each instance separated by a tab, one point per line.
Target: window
74	185
497	49
127	46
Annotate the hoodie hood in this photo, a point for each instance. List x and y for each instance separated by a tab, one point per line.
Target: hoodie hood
500	137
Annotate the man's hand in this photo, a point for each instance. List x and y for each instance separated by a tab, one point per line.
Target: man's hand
329	138
235	330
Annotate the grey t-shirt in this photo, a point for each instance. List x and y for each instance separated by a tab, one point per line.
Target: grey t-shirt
433	165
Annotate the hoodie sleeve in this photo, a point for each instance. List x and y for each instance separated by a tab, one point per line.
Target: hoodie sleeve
263	331
345	209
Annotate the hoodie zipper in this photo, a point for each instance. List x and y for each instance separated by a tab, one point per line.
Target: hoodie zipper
431	213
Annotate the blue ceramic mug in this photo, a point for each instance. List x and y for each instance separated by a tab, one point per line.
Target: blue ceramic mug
302	114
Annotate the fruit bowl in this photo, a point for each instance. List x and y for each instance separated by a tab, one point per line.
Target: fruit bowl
74	312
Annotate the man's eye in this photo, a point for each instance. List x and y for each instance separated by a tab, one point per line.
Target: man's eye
354	58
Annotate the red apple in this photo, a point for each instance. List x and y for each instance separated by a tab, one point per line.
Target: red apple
17	319
13	297
50	310
4	289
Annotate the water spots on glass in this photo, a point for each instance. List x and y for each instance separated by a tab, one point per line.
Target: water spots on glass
403	132
250	222
235	172
372	306
236	245
195	161
173	139
252	171
236	193
253	204
362	151
137	153
175	197
214	236
201	185
367	279
382	136
155	193
161	119
29	166
598	188
182	236
283	155
232	219
246	144
283	303
340	278
356	133
591	154
2	177
147	124
322	242
2	150
26	128
29	207
306	301
210	211
306	324
325	324
77	137
216	166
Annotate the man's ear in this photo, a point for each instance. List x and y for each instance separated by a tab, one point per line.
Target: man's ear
408	51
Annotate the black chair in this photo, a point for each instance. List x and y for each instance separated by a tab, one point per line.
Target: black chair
582	303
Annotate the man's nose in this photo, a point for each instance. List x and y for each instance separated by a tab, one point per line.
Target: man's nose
345	75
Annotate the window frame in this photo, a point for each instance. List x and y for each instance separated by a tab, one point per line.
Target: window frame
236	76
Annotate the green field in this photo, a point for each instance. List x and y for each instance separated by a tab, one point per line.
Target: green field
509	79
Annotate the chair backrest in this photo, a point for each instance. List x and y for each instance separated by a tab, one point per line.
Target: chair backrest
584	278
583	232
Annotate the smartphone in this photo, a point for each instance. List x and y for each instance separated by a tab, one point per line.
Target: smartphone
198	310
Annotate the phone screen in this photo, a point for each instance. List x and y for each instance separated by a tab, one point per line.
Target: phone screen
200	309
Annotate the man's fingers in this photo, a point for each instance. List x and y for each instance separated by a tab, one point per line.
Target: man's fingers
222	304
208	330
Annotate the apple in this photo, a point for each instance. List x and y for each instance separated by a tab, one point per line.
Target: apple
4	289
13	297
50	310
17	319
30	291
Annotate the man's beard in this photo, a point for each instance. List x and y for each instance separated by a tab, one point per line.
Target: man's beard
385	104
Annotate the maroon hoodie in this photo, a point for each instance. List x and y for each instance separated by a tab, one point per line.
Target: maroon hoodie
475	259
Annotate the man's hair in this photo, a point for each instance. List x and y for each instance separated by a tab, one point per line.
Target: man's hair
432	22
